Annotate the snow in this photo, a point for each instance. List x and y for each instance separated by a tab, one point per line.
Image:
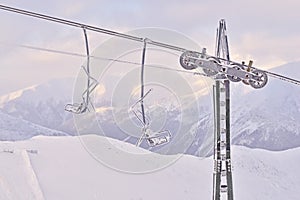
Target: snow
17	178
61	168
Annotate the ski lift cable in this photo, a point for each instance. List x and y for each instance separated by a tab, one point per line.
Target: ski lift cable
274	75
89	27
125	36
97	57
284	78
29	47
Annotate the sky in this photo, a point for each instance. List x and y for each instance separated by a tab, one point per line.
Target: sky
267	32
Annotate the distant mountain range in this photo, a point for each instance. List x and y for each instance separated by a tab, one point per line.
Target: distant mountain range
266	118
42	104
12	128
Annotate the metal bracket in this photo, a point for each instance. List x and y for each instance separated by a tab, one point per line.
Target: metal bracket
218	69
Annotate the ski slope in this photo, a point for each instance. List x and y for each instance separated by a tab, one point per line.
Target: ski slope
60	168
17	177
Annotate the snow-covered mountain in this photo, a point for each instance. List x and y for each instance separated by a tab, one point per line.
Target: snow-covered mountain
12	128
42	104
265	118
61	168
268	118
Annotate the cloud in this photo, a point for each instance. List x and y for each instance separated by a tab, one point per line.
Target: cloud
75	9
268	50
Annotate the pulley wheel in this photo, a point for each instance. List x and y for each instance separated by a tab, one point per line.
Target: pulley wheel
260	80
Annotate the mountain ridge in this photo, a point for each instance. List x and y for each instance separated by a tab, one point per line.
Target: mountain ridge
12	129
265	118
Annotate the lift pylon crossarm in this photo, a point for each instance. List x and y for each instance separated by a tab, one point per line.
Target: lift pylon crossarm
221	68
218	69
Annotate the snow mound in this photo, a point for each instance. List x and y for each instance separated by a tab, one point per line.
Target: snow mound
61	168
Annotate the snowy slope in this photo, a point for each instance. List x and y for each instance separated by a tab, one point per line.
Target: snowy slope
61	168
17	178
12	128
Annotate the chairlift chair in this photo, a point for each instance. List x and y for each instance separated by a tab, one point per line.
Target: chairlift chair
159	138
92	83
153	138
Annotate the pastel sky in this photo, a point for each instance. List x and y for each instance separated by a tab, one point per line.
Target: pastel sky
267	32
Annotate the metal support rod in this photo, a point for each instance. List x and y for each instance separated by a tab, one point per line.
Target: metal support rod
227	113
228	143
217	149
87	66
142	80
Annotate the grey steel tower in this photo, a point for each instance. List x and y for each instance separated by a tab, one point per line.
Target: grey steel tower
222	177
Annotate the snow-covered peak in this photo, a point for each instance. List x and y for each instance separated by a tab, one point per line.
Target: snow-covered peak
14	95
42	104
12	128
54	90
268	118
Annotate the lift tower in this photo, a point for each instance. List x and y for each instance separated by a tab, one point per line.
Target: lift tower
222	176
218	67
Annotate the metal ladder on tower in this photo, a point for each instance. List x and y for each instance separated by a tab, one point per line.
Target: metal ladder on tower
222	177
